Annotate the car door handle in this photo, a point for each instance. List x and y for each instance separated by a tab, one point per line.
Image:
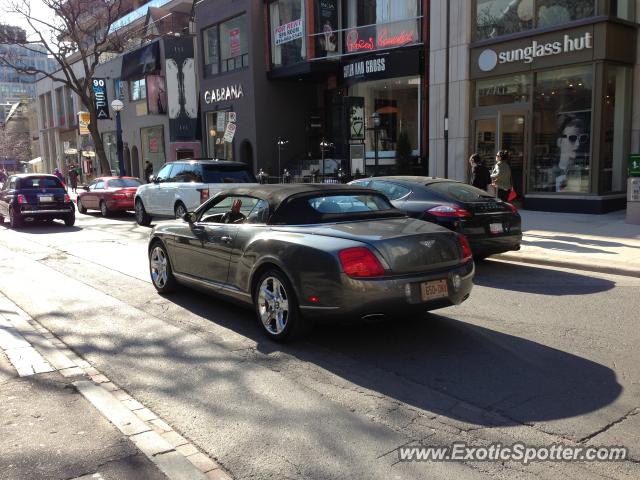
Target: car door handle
226	239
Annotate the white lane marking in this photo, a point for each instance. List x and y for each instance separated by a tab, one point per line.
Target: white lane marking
25	359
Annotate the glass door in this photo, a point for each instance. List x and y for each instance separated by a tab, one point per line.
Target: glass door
513	138
504	131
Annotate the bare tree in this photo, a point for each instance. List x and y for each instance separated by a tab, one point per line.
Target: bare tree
14	145
77	34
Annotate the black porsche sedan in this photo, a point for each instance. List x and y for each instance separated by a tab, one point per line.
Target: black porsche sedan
491	225
35	197
304	254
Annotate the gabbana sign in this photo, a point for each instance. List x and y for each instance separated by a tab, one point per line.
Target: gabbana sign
216	95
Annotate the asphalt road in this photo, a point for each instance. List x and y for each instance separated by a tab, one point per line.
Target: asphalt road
536	355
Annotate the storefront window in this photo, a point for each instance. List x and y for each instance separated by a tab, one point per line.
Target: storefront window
153	146
624	9
397	101
495	18
381	24
234	44
111	150
211	56
503	91
217	147
562	130
615	127
288	45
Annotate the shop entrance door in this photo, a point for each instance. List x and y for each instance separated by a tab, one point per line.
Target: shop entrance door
504	131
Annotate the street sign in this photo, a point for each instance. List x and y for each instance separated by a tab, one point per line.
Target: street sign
83	122
232	117
230	132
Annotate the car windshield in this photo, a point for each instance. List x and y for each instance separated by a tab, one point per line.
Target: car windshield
459	191
227	174
124	182
40	182
345	204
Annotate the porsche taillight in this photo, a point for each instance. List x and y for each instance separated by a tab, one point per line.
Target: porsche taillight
449	211
360	262
467	254
204	194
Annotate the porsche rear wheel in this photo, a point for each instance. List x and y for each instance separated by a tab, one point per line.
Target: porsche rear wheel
277	307
160	269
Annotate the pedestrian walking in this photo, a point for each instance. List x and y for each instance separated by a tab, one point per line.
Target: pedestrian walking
73	178
148	171
58	174
480	176
501	175
3	175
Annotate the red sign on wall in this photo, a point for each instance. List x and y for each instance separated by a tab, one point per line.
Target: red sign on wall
234	42
153	145
376	38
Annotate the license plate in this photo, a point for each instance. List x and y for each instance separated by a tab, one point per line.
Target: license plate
434	290
46	198
496	228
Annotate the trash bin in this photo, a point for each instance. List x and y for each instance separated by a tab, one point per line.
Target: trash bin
633	200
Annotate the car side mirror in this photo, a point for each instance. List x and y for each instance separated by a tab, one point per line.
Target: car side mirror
86	188
154	179
190	217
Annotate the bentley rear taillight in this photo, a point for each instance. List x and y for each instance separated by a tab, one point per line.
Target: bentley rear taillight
449	211
360	262
467	254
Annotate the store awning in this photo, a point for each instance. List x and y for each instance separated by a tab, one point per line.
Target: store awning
71	151
35	160
88	153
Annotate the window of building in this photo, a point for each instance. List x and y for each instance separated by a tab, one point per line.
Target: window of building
288	38
562	130
60	107
118	89
71	112
615	127
397	101
211	51
624	9
381	24
495	18
503	91
138	89
226	46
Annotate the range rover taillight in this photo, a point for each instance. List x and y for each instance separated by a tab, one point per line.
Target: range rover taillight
204	194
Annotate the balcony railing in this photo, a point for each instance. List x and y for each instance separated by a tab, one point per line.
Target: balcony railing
136	14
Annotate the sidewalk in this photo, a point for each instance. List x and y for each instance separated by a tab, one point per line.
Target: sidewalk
601	243
60	418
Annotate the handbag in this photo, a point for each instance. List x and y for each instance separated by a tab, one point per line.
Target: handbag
512	195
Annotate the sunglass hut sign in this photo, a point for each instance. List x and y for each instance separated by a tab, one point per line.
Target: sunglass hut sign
490	59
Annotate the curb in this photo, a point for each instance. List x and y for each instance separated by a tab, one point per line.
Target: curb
32	349
613	270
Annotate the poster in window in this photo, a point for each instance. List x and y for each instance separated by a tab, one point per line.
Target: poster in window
289	31
355	112
234	42
327	24
156	95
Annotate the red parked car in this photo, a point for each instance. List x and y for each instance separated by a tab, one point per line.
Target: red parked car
109	194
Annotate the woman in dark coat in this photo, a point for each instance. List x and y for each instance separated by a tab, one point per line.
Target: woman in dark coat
480	177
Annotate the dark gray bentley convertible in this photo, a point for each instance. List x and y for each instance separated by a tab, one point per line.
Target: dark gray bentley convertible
303	254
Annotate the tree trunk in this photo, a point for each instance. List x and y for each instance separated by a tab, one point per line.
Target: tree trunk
105	168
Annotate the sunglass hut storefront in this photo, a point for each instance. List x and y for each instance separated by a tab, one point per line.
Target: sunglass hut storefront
560	103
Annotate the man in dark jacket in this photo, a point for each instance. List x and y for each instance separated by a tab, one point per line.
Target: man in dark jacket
480	177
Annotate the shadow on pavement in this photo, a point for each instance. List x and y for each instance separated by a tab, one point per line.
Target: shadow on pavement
581	241
537	279
435	362
40	228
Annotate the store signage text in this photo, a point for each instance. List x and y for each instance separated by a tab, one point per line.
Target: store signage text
363	67
100	95
489	59
289	32
383	40
215	95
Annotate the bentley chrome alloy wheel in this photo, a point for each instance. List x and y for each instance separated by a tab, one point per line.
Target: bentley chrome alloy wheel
273	305
159	267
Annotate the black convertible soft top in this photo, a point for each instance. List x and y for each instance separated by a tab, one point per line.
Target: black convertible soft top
289	203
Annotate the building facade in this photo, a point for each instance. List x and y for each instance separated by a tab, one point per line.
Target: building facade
551	82
303	79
